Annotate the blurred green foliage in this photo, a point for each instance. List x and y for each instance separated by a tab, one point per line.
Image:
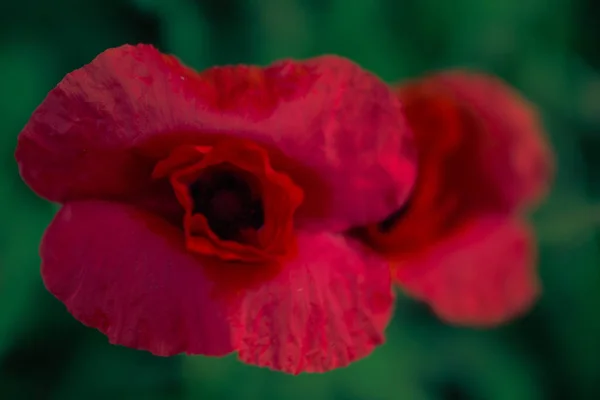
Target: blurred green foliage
546	48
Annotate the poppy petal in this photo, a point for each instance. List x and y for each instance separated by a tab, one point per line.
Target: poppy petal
324	310
97	134
113	270
482	276
517	158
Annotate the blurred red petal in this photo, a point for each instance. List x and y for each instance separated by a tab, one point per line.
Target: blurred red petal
481	151
324	310
97	134
126	273
482	276
516	154
449	189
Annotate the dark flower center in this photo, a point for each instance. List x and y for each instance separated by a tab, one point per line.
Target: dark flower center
387	224
228	203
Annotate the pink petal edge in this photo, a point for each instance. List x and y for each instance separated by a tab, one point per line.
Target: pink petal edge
518	156
341	122
114	272
325	310
483	276
106	263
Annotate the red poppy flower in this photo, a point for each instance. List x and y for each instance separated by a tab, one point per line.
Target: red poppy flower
459	243
201	211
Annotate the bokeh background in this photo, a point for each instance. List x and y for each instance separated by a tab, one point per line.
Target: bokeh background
549	49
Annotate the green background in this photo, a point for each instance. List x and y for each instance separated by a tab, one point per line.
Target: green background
546	48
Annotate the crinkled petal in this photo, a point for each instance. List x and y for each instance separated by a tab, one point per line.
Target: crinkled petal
326	309
517	155
126	273
339	130
483	276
